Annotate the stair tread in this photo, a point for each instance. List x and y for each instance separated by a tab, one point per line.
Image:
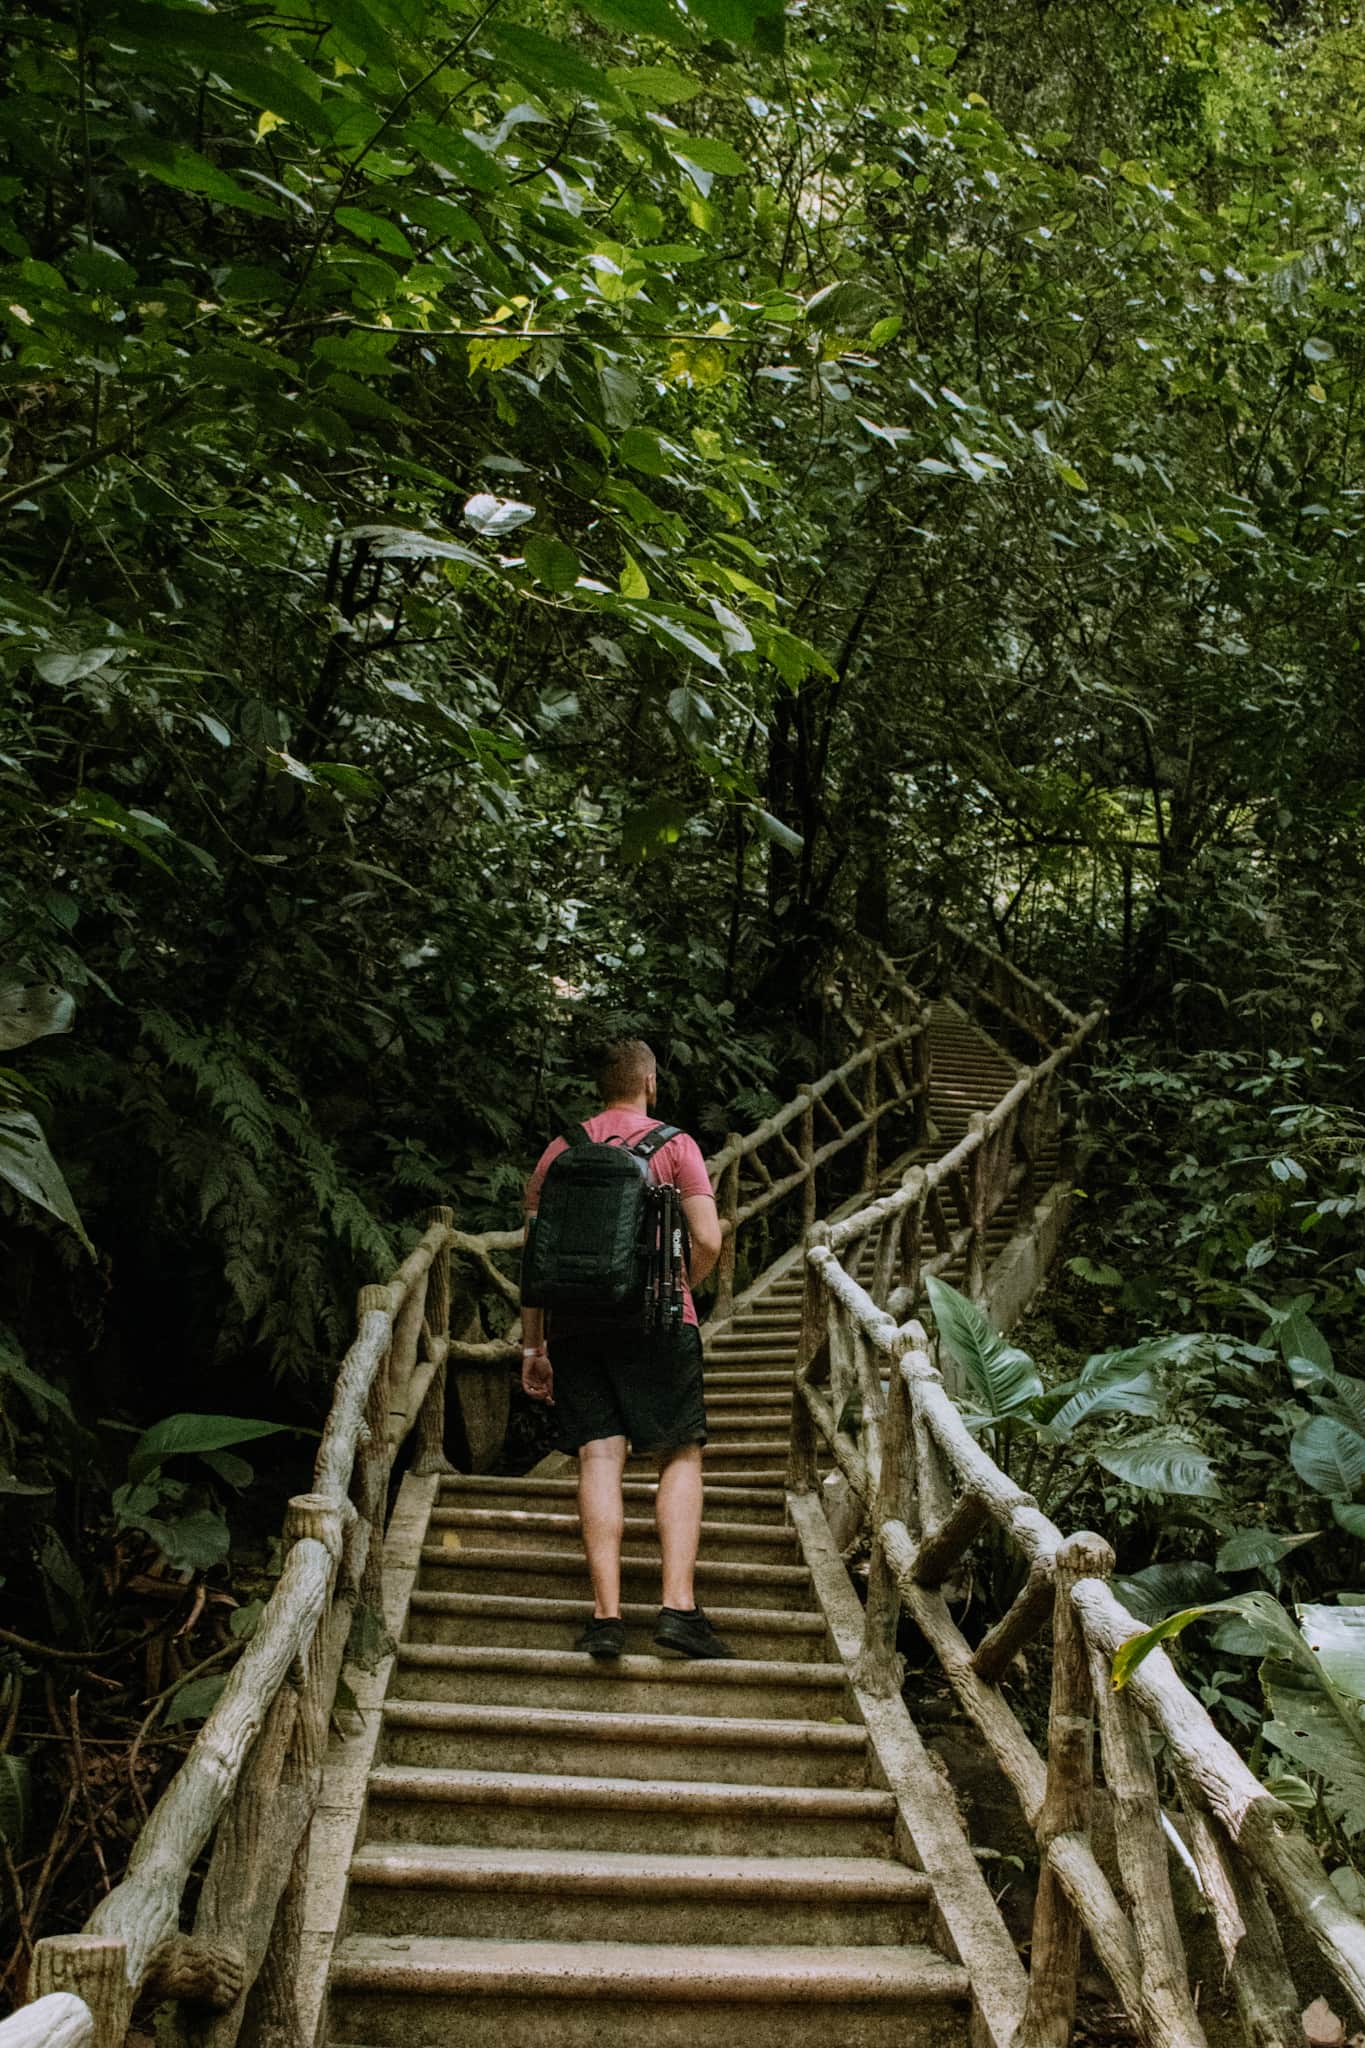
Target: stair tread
596	1969
571	1613
712	1731
717	1673
594	1870
708	1568
697	1795
546	1522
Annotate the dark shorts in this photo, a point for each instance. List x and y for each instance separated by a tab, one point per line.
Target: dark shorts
643	1386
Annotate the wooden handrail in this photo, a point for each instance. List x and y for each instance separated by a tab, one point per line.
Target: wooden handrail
931	1490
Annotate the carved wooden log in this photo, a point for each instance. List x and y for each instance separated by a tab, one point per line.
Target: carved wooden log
196	1971
429	1452
1247	1934
978	1208
272	2014
1168	2018
369	1492
1055	1956
881	1669
1020	1622
61	2020
810	1197
844	1453
1017	1512
1262	1828
91	1969
407	1338
341	1431
945	1543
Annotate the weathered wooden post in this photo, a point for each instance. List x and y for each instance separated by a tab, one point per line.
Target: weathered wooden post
370	1487
808	1190
881	1669
978	1206
1056	1951
921	1069
1144	1860
429	1452
727	1203
93	1968
801	1472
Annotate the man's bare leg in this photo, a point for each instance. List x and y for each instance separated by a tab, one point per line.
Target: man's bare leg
602	1514
677	1515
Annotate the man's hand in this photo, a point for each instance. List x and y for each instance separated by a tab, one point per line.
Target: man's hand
537	1375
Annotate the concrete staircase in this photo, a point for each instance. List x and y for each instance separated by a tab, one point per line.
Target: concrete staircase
570	1853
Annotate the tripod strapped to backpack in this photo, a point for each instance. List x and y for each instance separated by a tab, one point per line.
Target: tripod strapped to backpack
608	1241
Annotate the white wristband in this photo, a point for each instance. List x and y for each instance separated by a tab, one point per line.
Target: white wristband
531	1350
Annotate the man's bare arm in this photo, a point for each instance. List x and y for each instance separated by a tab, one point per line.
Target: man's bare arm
703	1228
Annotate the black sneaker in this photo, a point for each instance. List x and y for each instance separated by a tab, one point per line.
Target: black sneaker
603	1637
689	1635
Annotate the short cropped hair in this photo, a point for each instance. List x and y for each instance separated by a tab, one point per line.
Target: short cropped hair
624	1067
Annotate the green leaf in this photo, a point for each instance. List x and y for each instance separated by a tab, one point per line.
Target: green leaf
545	60
552	563
43	1395
1249	1550
28	1166
195	1700
1350	1518
1329	1456
30	1010
1161	1589
1003	1379
374	229
1318	350
180	1436
1299	1337
1163	1462
709	153
662	84
185	170
492	516
1112	1383
1097	1275
653	829
645	451
632	582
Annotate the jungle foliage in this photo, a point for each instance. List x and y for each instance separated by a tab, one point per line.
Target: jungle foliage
518	520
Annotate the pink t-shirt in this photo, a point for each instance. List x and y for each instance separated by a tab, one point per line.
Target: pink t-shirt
679	1161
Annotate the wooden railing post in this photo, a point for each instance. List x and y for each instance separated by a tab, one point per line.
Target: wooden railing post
921	1070
1144	1860
809	1197
978	1206
1056	1952
429	1453
881	1668
727	1203
370	1486
94	1968
801	1470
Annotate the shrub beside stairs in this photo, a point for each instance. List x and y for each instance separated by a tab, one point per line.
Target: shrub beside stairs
552	1849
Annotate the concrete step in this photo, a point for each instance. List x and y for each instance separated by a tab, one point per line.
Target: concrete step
513	1529
735	1749
758	1379
421	1991
723	1503
642	1682
559	1894
563	1575
683	1816
501	1621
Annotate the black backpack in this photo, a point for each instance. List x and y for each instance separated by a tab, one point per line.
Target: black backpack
608	1240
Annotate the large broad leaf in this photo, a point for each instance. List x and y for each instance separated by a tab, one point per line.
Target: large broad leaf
181	1435
1163	1462
1162	1589
1302	1344
1111	1383
1003	1379
1336	1636
1308	1729
30	1010
27	1164
43	1395
1253	1550
1329	1455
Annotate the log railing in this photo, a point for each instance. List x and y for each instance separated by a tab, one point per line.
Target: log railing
931	1492
250	1784
1005	988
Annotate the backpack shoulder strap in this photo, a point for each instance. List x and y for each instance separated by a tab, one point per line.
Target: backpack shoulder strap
654	1141
575	1137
